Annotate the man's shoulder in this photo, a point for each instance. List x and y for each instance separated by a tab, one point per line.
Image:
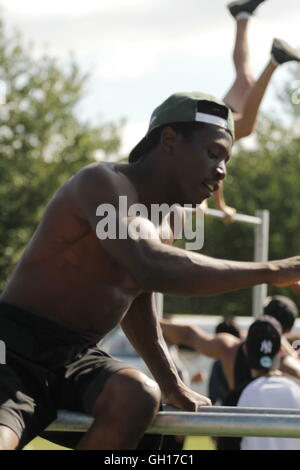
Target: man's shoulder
95	173
102	179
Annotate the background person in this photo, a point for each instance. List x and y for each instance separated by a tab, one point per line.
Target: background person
218	387
231	350
246	93
267	388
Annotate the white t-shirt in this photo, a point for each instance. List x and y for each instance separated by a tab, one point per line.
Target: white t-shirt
270	392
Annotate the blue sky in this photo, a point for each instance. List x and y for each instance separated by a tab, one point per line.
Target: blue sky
138	52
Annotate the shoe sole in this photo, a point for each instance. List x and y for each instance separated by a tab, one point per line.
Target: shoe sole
283	46
231	7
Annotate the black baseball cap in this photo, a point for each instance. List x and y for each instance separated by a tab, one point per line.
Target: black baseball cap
187	107
263	343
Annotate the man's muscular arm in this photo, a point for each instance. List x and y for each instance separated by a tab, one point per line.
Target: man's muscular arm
155	266
142	328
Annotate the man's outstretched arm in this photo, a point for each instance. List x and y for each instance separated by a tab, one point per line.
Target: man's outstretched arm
142	328
157	267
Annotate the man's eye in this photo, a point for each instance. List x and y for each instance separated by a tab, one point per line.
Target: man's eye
213	155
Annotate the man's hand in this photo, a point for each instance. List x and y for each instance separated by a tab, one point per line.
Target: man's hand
287	273
295	287
186	399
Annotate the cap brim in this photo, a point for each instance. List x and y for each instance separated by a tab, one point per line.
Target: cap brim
138	150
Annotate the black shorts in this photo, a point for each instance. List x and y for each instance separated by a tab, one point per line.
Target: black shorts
47	368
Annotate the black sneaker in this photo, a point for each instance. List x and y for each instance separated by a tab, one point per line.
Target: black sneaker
243	6
282	52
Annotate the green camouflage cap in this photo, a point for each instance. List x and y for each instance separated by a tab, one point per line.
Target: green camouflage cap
187	107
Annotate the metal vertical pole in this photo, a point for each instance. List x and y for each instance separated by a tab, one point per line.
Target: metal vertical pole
159	302
261	254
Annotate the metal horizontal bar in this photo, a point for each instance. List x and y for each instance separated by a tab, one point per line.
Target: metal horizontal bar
247	219
258	422
70	422
227	424
238	410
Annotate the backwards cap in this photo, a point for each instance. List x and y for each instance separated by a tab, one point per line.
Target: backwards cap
263	343
187	107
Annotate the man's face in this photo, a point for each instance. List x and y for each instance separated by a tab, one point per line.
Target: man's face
200	162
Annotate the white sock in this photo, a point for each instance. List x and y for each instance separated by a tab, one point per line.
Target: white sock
244	15
274	60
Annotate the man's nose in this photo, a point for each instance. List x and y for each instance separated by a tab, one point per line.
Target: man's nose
221	171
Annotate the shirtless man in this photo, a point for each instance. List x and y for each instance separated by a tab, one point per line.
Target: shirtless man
70	288
247	93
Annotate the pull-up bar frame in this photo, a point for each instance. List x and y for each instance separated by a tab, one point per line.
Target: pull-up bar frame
210	421
261	223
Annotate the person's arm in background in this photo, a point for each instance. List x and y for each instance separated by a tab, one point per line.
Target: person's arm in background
287	347
211	345
294	342
221	346
290	366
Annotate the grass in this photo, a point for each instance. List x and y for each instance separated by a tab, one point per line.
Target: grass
198	443
41	444
191	443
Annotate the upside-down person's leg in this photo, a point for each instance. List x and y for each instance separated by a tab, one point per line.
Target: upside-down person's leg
122	412
244	81
281	53
245	124
235	97
241	10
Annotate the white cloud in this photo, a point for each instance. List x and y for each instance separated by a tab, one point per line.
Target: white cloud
132	133
127	60
37	8
126	38
138	51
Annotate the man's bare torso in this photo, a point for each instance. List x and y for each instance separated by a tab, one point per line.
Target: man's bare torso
65	274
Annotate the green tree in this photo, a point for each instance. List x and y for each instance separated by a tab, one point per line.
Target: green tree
42	141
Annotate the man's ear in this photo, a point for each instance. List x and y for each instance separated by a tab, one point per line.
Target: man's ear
168	140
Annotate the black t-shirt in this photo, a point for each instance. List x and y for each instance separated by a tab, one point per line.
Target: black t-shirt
218	385
242	372
232	399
